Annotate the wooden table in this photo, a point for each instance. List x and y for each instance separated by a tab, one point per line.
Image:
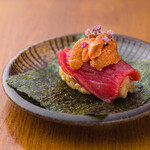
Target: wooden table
23	22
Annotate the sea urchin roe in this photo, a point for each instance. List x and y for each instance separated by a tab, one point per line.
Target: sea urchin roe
109	55
100	50
76	55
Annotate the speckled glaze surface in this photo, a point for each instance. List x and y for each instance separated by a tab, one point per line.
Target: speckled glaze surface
38	55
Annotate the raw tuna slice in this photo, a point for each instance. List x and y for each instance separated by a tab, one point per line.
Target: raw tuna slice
104	84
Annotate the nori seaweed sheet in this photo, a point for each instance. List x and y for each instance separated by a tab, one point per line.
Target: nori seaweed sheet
45	87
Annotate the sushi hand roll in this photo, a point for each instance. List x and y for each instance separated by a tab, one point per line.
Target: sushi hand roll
94	66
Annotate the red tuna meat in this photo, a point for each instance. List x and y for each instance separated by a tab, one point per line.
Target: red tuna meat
104	84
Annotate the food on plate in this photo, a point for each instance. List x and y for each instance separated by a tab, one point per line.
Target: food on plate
44	87
93	66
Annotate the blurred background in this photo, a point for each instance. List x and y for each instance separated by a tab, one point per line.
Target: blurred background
26	21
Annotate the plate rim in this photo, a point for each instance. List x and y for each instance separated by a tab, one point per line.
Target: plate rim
64	118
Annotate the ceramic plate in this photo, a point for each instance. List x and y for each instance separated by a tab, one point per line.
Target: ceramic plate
38	55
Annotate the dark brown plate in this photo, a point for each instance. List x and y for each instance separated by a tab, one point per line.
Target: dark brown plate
38	55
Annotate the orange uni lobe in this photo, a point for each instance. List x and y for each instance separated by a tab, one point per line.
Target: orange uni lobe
76	55
100	50
85	54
